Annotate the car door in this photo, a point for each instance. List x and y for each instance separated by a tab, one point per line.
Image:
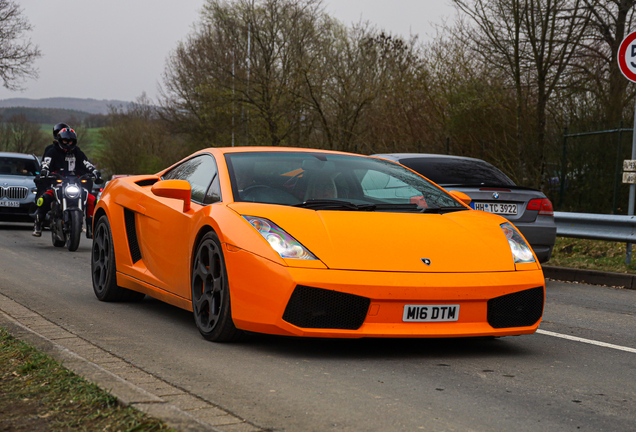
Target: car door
167	233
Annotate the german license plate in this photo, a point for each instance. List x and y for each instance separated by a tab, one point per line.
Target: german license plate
4	203
498	208
430	313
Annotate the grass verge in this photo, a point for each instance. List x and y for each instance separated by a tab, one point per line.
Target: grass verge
591	255
38	394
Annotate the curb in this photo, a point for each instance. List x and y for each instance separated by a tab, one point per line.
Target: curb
131	386
593	277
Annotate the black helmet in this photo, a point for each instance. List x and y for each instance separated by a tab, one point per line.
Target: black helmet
58	127
67	139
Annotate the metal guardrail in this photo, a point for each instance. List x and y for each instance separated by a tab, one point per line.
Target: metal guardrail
596	226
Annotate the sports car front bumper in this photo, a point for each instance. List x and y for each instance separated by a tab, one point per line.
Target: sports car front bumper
490	303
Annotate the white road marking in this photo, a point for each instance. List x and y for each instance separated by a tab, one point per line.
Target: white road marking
588	341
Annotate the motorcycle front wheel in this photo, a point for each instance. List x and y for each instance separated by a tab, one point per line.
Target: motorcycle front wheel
74	232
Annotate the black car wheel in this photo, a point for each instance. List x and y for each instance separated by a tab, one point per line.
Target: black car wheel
103	270
211	293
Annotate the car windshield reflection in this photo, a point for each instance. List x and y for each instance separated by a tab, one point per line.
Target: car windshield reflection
323	181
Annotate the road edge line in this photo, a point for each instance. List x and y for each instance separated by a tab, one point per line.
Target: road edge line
587	341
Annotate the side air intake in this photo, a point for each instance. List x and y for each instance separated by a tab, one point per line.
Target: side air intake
146	182
325	309
520	309
131	233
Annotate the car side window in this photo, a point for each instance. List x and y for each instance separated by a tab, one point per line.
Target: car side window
200	172
214	191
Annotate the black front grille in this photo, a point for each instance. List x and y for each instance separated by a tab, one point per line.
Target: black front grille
131	233
520	309
325	309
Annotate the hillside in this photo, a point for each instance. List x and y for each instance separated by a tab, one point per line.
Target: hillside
91	106
45	115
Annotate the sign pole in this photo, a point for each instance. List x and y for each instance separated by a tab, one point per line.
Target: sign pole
632	193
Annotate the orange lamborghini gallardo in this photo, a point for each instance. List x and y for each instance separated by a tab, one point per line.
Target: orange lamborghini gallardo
316	243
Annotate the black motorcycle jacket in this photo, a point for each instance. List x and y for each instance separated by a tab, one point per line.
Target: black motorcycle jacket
49	147
57	160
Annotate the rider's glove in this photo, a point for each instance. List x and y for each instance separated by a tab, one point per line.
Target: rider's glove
97	174
44	173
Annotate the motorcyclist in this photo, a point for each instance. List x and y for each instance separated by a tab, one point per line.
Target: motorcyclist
42	186
64	157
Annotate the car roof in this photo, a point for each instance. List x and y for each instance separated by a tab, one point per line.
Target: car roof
248	149
17	155
399	156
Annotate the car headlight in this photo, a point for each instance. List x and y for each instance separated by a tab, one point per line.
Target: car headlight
72	191
520	249
285	245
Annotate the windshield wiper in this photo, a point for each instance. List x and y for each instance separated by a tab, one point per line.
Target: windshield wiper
388	206
326	204
436	209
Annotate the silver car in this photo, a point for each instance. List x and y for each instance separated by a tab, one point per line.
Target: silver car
491	191
17	189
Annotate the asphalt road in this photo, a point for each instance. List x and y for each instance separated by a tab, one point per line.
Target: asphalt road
541	382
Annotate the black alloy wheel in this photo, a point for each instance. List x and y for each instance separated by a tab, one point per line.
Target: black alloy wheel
211	293
103	270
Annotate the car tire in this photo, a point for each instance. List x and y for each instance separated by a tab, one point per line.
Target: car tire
211	293
103	267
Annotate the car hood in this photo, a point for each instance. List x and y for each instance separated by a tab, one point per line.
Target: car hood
12	180
463	241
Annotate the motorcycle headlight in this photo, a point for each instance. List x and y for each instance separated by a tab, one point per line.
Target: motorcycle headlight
285	245
520	249
72	191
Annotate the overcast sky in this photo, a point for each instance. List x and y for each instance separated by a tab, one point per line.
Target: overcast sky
117	49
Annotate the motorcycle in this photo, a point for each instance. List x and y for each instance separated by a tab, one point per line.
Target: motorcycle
66	216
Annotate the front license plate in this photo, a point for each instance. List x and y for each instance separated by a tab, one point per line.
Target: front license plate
428	313
499	208
9	203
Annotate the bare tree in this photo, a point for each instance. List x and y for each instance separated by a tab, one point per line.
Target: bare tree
240	69
499	42
17	53
468	102
534	42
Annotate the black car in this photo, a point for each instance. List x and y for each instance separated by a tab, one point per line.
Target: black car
17	188
491	191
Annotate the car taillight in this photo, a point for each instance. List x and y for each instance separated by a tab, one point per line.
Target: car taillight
544	206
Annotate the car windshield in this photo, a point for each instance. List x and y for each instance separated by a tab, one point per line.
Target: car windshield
451	171
17	166
323	181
